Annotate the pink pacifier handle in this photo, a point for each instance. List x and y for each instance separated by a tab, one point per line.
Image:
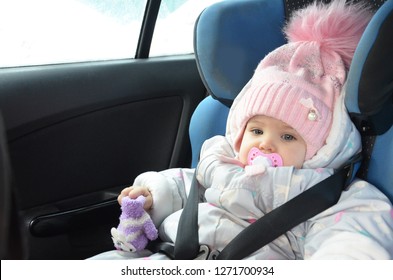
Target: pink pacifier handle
274	158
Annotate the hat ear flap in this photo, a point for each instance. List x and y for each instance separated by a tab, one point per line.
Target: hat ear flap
238	143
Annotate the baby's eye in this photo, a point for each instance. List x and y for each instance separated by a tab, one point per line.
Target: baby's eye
288	137
257	131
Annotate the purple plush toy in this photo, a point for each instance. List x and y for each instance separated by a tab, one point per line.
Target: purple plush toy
135	228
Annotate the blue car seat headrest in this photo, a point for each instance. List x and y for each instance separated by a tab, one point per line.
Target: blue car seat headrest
230	39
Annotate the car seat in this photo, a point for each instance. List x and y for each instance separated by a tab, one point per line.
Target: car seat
231	37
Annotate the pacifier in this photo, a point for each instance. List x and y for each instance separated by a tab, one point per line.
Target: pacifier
255	156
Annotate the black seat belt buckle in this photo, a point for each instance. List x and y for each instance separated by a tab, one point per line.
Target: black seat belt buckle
350	168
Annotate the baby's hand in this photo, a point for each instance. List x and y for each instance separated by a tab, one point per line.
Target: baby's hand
135	191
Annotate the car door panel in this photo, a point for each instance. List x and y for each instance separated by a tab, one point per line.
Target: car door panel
94	151
78	133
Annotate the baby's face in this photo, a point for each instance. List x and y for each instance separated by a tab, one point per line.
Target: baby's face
270	135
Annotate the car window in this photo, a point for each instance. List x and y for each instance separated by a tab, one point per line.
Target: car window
175	26
59	31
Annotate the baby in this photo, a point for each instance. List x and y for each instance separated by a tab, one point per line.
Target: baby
287	130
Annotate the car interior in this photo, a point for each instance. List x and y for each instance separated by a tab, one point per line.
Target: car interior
73	135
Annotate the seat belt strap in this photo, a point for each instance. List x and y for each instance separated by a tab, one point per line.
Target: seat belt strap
187	239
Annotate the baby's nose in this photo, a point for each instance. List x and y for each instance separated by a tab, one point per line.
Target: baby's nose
266	145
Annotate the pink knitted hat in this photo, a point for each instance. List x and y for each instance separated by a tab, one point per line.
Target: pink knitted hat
299	82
